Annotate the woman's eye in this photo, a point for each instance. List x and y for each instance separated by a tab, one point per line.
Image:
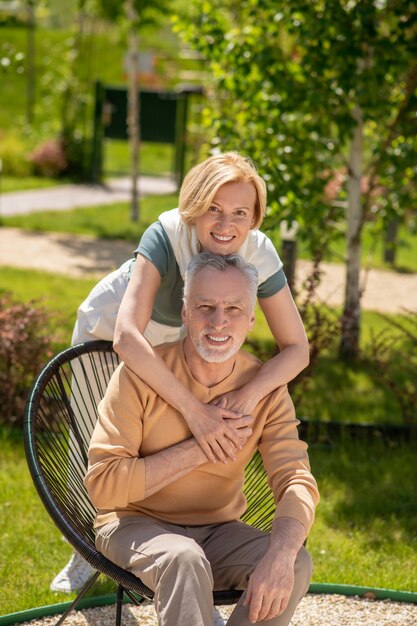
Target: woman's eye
214	209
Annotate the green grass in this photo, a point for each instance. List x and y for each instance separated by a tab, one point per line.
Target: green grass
372	250
365	531
13	183
155	159
108	221
346	393
31	546
366	527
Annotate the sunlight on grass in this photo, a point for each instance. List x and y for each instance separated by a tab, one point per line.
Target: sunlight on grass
372	250
155	159
108	221
366	527
12	183
31	546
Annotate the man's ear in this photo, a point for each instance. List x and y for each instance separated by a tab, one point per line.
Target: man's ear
252	322
184	314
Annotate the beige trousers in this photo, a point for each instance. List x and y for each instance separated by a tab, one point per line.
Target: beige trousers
183	564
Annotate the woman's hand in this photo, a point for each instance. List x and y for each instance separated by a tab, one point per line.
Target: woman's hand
220	432
242	401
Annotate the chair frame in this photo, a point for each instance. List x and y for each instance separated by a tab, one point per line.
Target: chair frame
52	385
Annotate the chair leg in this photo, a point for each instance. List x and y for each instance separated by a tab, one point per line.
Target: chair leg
119	604
82	593
137	600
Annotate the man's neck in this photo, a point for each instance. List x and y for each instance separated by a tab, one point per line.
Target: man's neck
207	374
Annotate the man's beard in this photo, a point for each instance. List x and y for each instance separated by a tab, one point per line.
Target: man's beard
214	354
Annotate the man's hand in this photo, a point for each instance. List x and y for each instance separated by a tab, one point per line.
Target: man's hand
272	581
270	587
219	431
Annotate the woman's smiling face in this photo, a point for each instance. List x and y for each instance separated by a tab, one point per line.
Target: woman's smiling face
226	224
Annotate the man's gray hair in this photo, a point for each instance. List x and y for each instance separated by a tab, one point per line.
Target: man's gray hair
220	263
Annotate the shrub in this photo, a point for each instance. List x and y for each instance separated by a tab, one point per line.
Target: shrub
25	341
14	155
393	357
49	159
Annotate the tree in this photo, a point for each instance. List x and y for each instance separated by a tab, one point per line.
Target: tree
312	90
133	105
135	14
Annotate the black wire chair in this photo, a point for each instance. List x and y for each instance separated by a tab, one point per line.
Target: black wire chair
59	420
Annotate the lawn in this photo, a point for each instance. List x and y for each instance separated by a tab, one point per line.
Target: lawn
108	221
366	527
365	532
373	249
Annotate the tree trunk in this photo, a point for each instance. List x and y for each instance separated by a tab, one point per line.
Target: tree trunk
349	348
31	61
133	107
390	241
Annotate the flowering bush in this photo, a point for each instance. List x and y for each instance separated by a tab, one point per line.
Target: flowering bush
25	346
49	159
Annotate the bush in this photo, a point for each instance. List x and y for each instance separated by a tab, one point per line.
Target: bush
14	155
49	159
25	341
393	357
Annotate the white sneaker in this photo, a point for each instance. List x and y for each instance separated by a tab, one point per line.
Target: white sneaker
217	619
73	576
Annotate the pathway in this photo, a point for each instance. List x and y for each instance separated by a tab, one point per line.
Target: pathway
84	256
65	197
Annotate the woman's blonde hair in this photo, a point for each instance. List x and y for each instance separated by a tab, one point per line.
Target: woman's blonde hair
204	180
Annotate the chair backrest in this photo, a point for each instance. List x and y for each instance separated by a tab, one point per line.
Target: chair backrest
60	416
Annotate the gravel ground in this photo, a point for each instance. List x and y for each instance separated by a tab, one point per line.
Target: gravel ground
314	610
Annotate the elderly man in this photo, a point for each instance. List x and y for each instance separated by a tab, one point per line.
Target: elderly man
168	514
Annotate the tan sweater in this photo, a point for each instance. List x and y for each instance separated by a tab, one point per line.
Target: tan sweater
134	422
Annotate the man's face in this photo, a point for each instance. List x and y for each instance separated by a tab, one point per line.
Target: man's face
219	313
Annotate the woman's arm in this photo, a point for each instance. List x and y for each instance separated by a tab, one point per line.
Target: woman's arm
287	328
217	439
